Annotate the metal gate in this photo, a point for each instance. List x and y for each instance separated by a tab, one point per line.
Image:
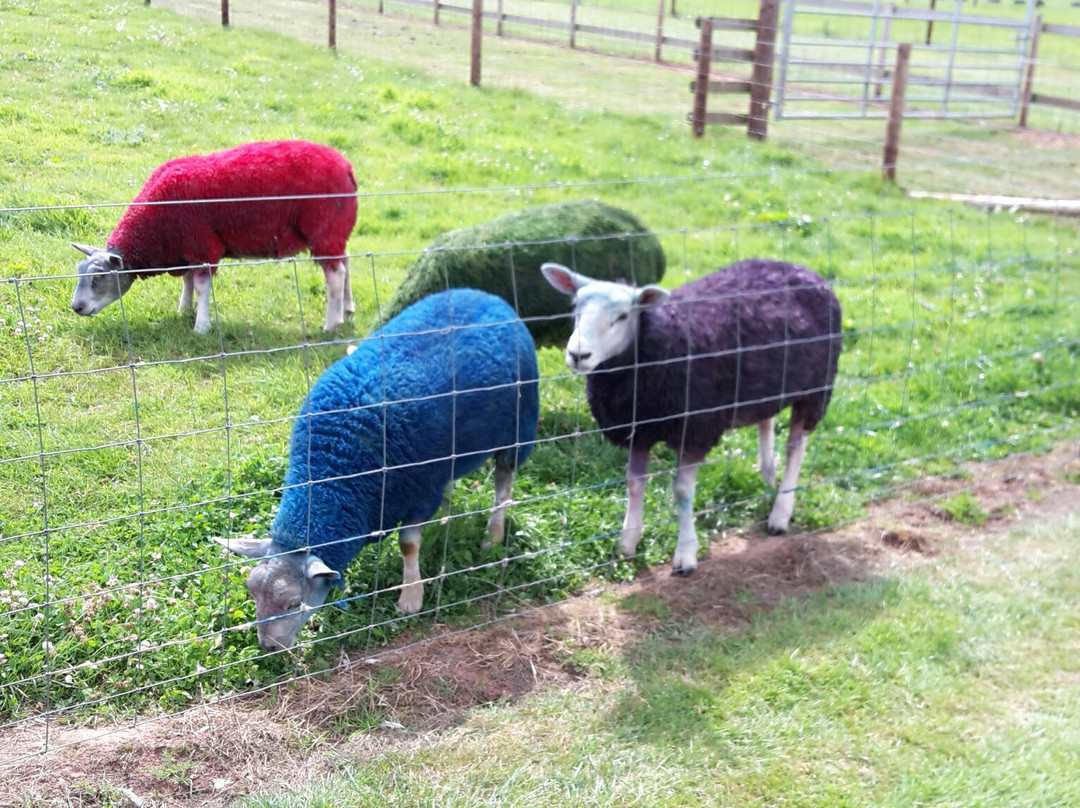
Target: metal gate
836	60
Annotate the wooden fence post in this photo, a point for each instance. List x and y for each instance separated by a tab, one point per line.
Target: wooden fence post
477	32
762	74
701	86
896	113
435	11
1029	79
499	19
660	30
224	13
380	6
332	23
573	22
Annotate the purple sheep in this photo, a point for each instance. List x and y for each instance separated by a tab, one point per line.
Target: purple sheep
728	350
185	220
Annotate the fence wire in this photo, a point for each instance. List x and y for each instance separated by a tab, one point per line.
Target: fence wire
116	476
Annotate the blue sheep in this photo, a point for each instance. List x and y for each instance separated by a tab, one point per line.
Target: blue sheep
731	349
425	399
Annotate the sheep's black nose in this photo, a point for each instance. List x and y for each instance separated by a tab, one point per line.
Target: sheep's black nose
577	357
78	307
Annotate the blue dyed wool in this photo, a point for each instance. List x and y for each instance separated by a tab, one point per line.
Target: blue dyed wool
425	399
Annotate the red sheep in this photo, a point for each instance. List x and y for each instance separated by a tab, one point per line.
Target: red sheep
194	211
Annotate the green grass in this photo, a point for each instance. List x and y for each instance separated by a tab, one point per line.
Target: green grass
127	440
952	684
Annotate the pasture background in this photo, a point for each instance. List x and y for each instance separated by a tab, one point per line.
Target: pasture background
127	440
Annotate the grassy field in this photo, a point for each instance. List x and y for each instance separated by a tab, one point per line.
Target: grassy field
126	440
953	684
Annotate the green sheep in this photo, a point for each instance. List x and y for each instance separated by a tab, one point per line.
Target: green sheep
503	257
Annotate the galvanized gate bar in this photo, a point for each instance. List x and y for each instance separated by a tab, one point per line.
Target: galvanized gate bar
977	80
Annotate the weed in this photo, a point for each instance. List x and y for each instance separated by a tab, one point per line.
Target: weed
965	508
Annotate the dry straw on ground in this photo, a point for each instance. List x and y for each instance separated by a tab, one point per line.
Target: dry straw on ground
210	755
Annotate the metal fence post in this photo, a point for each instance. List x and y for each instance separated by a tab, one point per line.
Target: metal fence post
883	71
762	73
896	113
573	22
659	30
949	69
477	32
867	77
789	17
701	86
1029	79
499	19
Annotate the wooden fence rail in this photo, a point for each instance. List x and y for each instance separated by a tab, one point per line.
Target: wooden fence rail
1031	97
759	86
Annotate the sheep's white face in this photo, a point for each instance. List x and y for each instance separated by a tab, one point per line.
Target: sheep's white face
605	315
286	587
101	280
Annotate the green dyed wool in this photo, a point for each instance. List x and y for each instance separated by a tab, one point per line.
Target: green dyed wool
503	256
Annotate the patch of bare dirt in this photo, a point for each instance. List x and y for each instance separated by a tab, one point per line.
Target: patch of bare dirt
211	755
1045	139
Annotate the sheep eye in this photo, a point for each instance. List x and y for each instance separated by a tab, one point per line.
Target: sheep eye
622	317
294	606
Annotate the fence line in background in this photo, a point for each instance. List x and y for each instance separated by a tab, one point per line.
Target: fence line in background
952	94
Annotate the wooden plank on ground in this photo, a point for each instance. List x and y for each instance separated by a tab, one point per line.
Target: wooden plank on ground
1067	207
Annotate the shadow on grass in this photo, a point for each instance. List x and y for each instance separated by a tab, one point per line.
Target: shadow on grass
736	636
171	339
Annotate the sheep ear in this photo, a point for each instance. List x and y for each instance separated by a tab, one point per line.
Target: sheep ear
83	248
563	279
317	569
649	296
116	260
252	548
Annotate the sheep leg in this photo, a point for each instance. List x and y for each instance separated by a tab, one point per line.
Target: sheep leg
187	293
335	275
504	484
780	517
633	523
202	282
350	307
766	452
685	560
412	590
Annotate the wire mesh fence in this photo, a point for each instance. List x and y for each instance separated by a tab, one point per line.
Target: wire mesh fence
959	343
122	459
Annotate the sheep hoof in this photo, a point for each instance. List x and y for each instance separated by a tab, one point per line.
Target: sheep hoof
776	530
411	600
682	572
202	328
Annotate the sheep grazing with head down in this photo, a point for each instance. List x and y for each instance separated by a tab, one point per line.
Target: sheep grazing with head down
185	220
728	350
427	398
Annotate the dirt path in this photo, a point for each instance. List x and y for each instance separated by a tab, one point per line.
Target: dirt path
210	755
